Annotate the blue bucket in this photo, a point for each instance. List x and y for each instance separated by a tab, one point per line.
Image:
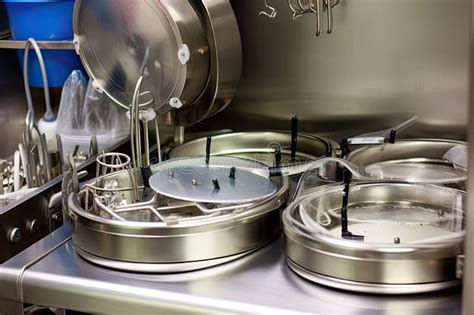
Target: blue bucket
50	20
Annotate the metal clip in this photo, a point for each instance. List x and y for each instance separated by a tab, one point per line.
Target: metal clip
272	11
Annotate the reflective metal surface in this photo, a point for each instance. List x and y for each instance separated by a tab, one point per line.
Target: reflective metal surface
468	283
138	49
419	160
260	283
258	146
383	63
413	234
191	66
110	224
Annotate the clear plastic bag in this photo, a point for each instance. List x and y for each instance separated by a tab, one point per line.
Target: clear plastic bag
70	120
84	113
101	117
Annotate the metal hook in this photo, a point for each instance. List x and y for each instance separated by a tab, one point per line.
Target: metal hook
328	5
296	13
273	12
316	10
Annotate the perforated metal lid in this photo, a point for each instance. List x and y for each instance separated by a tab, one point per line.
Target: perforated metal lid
120	40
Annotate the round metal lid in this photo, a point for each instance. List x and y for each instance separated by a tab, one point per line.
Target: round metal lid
118	41
212	184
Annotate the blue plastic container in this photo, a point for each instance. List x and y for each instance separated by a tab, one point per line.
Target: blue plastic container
45	20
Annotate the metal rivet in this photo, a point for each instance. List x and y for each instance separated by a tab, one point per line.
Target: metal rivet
396	240
194	182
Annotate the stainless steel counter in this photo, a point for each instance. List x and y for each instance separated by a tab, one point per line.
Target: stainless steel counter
258	283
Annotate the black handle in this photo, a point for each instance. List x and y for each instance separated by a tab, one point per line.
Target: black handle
345	233
277	156
232	172
208	149
146	174
294	137
347	177
215	182
393	136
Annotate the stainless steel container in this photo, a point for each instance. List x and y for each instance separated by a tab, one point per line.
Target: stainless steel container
418	161
161	234
413	235
259	146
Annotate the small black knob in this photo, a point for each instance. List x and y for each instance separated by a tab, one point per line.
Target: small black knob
232	172
208	149
215	182
277	156
393	136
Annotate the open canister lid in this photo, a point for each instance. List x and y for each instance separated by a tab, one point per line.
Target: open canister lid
190	68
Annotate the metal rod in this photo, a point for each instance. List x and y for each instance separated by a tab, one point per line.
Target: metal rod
345	233
158	141
20	44
345	200
294	137
147	142
329	7
208	149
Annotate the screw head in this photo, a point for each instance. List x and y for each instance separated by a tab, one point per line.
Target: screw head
33	226
194	182
14	236
396	240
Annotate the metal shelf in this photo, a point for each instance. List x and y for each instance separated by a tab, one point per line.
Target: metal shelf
20	44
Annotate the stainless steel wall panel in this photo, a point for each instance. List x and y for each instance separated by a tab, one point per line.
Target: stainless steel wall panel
384	61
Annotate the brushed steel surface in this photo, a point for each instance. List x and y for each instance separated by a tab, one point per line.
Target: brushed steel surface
468	272
158	267
385	61
260	283
424	261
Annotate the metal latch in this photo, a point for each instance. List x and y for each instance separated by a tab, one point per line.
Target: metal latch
459	266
